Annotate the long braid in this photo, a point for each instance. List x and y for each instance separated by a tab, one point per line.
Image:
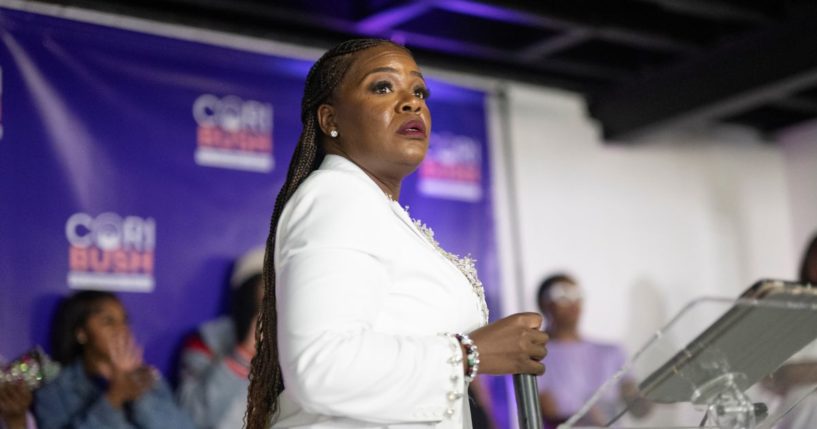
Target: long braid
266	381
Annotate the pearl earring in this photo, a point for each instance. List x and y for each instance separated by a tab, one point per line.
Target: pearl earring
334	134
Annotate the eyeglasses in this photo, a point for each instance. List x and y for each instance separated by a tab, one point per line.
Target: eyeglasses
565	293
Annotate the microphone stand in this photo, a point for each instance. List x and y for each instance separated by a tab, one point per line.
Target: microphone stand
527	402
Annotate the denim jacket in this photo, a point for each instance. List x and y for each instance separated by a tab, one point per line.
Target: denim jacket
74	401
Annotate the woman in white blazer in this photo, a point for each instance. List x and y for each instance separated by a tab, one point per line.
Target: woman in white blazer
367	321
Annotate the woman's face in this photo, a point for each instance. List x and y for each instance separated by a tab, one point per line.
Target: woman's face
380	113
563	306
104	325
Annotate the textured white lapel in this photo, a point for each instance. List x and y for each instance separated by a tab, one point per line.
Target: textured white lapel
404	217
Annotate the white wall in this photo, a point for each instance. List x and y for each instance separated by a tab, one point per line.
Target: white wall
800	148
648	227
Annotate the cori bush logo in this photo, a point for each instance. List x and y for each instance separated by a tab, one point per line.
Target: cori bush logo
111	252
233	133
452	168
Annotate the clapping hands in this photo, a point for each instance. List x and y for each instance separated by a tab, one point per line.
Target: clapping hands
129	377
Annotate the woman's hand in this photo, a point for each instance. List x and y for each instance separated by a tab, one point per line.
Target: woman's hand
129	378
513	345
15	398
129	386
126	355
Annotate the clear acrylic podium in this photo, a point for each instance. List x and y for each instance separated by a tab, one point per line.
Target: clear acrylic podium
719	363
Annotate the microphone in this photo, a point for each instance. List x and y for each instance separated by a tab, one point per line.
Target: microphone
527	401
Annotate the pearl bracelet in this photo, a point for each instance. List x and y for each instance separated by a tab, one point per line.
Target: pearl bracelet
471	356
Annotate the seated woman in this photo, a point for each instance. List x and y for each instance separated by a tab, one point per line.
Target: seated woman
104	382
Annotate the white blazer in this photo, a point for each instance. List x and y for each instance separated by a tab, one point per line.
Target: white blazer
363	297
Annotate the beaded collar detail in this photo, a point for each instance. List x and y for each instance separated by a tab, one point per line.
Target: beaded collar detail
466	264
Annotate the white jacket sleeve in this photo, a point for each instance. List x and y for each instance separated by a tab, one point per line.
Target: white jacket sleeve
331	282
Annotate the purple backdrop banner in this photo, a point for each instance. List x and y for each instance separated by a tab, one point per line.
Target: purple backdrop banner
145	165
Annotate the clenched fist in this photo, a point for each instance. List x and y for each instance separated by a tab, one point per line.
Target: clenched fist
513	345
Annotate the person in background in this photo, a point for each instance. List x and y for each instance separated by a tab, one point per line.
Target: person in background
15	400
577	367
215	361
798	377
104	382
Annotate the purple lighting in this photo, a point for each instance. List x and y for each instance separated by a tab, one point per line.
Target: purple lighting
497	13
383	21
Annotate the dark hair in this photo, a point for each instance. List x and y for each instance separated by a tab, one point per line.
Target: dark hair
547	283
71	315
266	381
811	253
244	305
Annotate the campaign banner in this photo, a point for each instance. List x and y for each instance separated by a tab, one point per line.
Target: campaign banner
145	165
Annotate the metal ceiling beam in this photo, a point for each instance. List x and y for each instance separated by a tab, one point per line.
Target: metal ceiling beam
641	40
574	30
388	18
725	81
712	9
552	45
500	70
379	25
294	27
274	13
796	104
479	53
541	16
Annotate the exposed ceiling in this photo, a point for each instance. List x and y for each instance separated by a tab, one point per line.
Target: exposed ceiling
641	64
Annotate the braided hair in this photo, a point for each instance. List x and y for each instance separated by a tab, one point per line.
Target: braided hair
266	381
